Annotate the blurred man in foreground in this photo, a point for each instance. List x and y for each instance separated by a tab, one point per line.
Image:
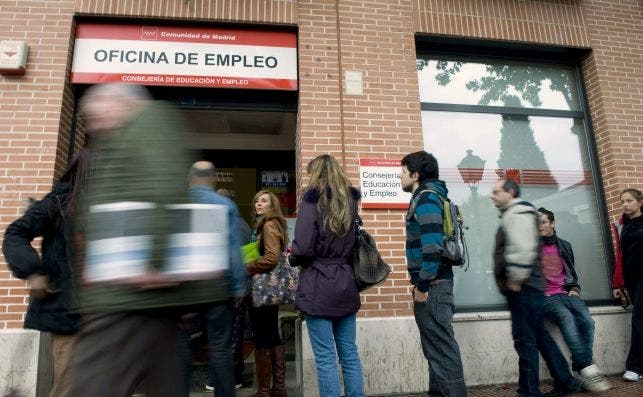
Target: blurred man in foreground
129	226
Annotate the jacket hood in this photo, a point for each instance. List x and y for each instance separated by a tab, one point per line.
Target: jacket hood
312	195
433	184
519	205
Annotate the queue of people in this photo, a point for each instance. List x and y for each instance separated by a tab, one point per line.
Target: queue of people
128	328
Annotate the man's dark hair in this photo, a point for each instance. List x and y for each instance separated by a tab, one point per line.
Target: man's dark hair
510	185
425	164
548	213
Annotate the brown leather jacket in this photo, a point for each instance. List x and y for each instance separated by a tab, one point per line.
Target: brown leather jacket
271	246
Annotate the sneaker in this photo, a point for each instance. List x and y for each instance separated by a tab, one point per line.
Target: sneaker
209	387
238	385
631	376
592	379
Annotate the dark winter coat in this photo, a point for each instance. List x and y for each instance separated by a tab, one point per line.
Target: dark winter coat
632	250
46	219
327	285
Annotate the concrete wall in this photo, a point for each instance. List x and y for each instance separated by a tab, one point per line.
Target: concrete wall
393	361
25	367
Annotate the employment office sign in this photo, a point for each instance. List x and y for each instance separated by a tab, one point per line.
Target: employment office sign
379	181
184	56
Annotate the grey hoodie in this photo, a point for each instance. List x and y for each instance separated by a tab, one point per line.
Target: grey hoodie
517	246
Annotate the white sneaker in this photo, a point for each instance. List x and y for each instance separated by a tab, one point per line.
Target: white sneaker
631	376
592	379
209	387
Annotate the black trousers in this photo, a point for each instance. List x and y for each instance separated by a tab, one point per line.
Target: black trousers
265	326
635	357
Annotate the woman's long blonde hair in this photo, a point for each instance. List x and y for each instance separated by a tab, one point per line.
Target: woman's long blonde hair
273	213
329	179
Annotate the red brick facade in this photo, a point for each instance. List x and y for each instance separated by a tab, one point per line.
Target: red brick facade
374	37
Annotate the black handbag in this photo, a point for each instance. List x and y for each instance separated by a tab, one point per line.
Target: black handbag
370	269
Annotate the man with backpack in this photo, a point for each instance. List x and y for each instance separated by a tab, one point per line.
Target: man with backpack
431	273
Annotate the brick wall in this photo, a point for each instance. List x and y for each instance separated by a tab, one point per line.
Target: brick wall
614	82
36	110
32	130
374	37
540	21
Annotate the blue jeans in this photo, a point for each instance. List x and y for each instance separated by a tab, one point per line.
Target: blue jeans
329	338
530	337
570	314
218	323
440	348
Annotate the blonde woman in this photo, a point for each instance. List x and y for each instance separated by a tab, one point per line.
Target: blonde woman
327	292
271	232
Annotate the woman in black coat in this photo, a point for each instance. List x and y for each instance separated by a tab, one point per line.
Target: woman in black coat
50	275
631	246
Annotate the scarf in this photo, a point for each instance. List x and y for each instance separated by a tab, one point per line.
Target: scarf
553	239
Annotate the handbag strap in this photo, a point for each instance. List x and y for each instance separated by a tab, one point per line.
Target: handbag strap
358	224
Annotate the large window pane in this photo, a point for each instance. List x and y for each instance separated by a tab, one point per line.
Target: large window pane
498	84
550	156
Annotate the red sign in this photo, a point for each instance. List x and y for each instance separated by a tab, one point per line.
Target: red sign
185	56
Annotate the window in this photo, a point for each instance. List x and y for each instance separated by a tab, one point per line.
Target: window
485	118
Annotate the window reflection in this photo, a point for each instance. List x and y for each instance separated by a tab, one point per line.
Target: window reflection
498	84
548	155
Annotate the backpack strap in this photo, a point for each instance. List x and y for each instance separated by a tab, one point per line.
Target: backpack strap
415	200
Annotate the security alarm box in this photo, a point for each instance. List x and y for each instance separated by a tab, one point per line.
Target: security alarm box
13	58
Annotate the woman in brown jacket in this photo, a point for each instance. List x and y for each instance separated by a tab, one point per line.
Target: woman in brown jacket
271	232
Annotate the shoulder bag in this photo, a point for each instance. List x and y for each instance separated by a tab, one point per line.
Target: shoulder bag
370	269
275	287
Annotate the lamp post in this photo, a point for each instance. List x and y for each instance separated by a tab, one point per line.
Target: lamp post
471	169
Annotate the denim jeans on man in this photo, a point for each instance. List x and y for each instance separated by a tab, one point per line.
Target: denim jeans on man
329	338
530	337
572	317
218	323
440	348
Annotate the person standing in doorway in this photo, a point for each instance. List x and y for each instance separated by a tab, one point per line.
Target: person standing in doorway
563	304
520	278
240	327
217	315
431	276
271	234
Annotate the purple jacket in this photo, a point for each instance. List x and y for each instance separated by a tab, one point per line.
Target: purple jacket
327	285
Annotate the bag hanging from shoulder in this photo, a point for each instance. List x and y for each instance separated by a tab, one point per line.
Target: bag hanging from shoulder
275	287
453	242
368	265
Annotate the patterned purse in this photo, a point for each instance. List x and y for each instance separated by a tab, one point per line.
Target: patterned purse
275	287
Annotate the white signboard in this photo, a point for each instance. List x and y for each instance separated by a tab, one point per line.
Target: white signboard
379	181
184	56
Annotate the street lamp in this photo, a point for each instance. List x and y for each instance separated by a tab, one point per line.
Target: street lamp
471	168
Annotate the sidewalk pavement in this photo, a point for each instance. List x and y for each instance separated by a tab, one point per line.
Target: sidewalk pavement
620	388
